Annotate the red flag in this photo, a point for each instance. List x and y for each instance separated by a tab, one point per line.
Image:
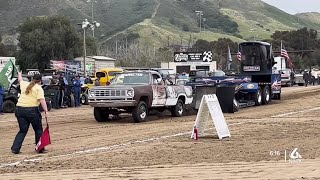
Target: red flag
44	139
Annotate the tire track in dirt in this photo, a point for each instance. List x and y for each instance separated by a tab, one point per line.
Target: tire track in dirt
150	129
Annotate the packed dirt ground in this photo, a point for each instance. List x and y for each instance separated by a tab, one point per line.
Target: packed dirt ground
162	149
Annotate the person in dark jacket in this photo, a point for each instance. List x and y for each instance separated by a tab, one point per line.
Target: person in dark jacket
54	85
62	89
1	98
88	80
306	78
77	90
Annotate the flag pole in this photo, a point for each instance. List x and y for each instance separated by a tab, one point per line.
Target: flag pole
270	50
228	56
239	66
281	55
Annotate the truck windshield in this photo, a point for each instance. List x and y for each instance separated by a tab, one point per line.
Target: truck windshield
253	54
132	78
114	73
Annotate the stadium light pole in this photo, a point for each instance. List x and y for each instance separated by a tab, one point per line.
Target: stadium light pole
92	1
204	25
85	25
200	14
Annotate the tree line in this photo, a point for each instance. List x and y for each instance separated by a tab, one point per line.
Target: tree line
42	39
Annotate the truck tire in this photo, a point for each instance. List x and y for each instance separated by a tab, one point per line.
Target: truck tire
178	109
236	105
258	97
84	99
49	105
100	115
266	97
8	106
140	112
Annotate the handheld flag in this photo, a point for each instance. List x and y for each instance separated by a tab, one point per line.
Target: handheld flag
239	56
8	72
229	58
285	54
229	55
44	139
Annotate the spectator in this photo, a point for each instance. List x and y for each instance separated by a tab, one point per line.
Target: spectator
77	90
306	78
88	80
27	111
54	84
62	89
97	82
292	78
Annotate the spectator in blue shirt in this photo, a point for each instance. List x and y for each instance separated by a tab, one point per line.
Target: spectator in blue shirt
77	90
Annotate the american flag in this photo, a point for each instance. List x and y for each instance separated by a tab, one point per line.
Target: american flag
285	54
239	56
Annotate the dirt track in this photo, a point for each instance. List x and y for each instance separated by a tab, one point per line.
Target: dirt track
162	148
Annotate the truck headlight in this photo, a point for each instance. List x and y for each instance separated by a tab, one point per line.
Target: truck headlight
130	92
91	94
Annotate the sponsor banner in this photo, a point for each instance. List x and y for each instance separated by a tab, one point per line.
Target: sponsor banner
193	56
65	65
251	68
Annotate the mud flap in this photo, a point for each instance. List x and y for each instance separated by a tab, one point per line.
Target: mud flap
225	94
199	91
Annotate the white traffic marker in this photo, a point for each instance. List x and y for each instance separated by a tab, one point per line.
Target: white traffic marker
210	108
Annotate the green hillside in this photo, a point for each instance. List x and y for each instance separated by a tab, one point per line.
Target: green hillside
310	16
159	22
259	18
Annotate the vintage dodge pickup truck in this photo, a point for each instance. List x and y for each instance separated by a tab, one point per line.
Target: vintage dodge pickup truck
138	92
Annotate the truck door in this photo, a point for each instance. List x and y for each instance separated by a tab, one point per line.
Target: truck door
159	92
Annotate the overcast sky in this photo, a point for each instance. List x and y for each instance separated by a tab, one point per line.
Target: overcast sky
296	6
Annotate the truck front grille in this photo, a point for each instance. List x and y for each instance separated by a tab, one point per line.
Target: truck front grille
106	93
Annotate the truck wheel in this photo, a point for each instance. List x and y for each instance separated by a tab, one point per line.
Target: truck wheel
266	95
140	112
8	106
177	110
236	105
258	97
84	99
100	115
49	105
